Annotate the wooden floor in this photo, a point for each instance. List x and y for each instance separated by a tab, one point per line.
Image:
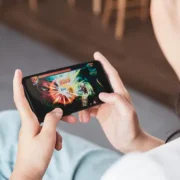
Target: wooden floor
78	33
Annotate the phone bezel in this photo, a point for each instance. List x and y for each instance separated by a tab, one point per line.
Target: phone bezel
103	73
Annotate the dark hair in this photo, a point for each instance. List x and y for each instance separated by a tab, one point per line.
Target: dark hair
176	133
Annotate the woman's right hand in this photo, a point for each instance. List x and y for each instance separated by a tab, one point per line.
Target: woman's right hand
118	117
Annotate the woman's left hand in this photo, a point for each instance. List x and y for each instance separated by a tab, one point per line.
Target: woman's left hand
36	143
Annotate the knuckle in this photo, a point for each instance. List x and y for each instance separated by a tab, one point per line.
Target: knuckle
129	113
49	135
49	116
127	96
132	113
116	97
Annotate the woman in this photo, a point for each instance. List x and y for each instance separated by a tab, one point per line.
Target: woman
117	118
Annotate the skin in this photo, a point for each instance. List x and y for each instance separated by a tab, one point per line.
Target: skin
116	116
33	138
165	16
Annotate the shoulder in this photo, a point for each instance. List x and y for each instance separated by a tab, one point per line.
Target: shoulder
135	166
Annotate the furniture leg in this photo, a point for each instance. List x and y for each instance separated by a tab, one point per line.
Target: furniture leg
121	13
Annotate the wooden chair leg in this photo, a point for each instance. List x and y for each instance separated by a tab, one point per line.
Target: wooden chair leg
71	2
144	9
1	9
4	5
121	13
107	12
33	5
97	6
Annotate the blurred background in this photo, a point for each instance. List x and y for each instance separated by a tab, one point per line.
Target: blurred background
39	35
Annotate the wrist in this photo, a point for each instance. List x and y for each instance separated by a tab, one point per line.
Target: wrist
20	176
144	142
150	142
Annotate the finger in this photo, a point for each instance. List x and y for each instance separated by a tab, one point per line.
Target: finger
84	116
69	119
93	111
113	75
119	101
51	121
58	145
19	96
28	118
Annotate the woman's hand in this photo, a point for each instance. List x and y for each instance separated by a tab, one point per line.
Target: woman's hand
36	143
118	117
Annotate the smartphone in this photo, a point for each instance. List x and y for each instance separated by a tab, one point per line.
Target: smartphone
72	88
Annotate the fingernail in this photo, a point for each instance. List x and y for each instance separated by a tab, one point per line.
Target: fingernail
80	118
84	117
17	71
83	120
58	111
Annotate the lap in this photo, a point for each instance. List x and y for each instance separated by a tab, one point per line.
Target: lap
77	160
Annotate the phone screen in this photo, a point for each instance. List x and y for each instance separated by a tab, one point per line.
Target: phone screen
72	89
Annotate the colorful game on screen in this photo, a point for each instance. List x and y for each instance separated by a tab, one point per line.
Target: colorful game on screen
79	87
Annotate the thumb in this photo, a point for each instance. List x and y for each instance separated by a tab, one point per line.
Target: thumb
120	103
51	121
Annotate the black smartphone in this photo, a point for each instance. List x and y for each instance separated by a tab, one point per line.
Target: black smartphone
72	88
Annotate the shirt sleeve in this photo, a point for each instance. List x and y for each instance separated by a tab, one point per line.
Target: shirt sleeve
135	167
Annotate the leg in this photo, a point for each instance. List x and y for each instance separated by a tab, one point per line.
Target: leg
144	9
71	2
107	12
9	130
33	5
97	5
121	12
77	158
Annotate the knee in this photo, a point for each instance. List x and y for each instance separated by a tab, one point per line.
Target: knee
9	132
9	121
